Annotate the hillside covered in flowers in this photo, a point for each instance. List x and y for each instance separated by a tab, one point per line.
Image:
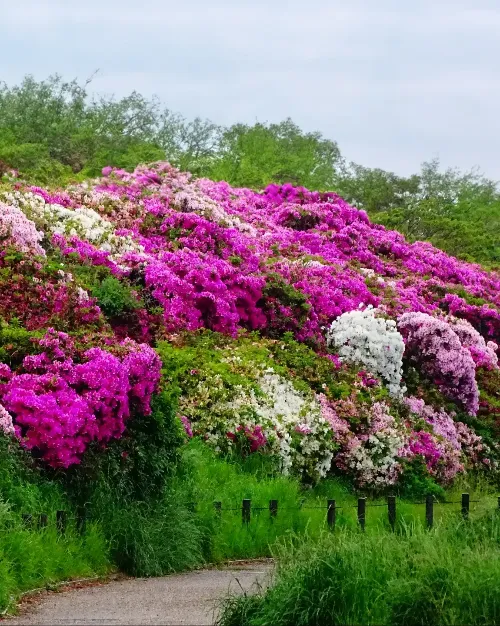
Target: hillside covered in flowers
281	322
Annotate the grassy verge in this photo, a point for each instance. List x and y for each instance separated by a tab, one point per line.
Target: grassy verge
161	535
209	479
413	577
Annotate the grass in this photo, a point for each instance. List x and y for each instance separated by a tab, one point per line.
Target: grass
159	536
300	511
40	558
448	575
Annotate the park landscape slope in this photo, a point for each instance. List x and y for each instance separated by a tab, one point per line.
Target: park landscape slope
283	322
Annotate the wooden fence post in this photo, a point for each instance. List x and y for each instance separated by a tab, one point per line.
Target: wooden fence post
465	505
42	520
391	506
218	508
429	511
331	514
362	513
273	509
245	511
61	519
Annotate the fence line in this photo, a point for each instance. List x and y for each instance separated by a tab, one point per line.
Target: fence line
41	521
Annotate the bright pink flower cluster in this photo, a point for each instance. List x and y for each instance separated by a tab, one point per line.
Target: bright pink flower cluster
62	401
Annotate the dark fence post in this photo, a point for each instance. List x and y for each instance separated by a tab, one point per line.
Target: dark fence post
245	511
362	512
391	506
273	509
218	508
42	520
429	511
61	518
499	503
465	505
331	514
27	520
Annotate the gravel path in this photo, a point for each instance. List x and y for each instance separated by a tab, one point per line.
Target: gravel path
189	598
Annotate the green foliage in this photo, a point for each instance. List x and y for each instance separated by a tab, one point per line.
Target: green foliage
135	467
53	132
15	342
414	577
115	297
254	156
30	558
457	212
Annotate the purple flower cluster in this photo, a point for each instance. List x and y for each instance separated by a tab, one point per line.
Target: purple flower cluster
436	348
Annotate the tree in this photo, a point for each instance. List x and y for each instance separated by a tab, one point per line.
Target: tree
254	156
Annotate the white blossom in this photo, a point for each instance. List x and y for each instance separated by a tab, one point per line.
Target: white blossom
360	337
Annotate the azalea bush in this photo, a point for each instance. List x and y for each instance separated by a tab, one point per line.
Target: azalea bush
312	414
131	261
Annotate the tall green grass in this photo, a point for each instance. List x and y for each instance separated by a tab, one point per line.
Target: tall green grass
448	575
207	479
31	558
40	557
158	535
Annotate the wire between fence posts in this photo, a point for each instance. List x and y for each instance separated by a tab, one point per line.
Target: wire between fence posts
27	520
273	509
429	511
61	521
391	510
245	511
465	506
362	513
331	514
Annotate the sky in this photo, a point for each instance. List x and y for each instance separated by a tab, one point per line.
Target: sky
394	86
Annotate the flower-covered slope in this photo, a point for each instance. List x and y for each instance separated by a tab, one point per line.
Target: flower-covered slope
93	276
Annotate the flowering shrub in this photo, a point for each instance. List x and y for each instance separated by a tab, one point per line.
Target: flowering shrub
6	425
154	254
434	345
360	337
61	400
448	446
483	354
372	454
18	231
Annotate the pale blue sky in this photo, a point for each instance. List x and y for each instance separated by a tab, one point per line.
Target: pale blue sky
393	85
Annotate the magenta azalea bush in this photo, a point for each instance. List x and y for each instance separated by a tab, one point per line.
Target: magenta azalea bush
63	400
104	270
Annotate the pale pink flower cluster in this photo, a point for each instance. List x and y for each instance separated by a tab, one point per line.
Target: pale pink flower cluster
433	344
6	424
18	231
484	354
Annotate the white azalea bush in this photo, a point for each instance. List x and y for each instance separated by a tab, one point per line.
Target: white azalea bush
360	337
270	416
